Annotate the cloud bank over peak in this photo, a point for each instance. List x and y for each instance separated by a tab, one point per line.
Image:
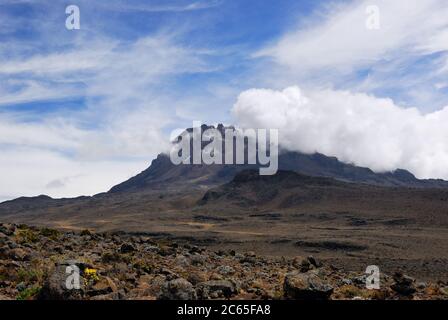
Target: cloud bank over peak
355	127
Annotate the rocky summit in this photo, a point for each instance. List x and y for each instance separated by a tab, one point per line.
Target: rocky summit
47	264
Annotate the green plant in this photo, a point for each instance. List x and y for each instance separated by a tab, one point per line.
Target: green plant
28	293
144	266
349	291
50	233
26	236
29	275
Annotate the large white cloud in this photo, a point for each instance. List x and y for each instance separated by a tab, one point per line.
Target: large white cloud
356	128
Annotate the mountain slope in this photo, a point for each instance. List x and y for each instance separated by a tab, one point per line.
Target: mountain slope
163	174
290	192
163	177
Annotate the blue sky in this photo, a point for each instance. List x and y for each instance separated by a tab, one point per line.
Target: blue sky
81	110
217	38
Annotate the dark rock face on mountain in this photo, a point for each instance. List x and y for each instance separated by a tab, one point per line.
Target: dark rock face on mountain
162	173
288	189
248	188
319	165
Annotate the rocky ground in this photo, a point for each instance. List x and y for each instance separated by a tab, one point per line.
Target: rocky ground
33	265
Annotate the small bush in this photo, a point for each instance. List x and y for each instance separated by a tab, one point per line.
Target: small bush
26	236
144	266
50	233
350	292
28	293
29	275
85	232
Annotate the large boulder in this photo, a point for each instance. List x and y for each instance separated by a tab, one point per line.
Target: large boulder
217	289
225	270
7	229
19	254
178	289
306	286
62	284
196	277
403	284
306	264
16	254
104	286
127	248
4	252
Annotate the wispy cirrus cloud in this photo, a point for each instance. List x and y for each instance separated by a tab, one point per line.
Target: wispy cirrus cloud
18	91
100	66
118	128
120	84
339	39
163	6
334	48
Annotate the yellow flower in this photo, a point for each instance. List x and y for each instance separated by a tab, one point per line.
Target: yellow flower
91	274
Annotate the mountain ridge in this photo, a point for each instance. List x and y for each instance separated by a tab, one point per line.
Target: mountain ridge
162	171
162	174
